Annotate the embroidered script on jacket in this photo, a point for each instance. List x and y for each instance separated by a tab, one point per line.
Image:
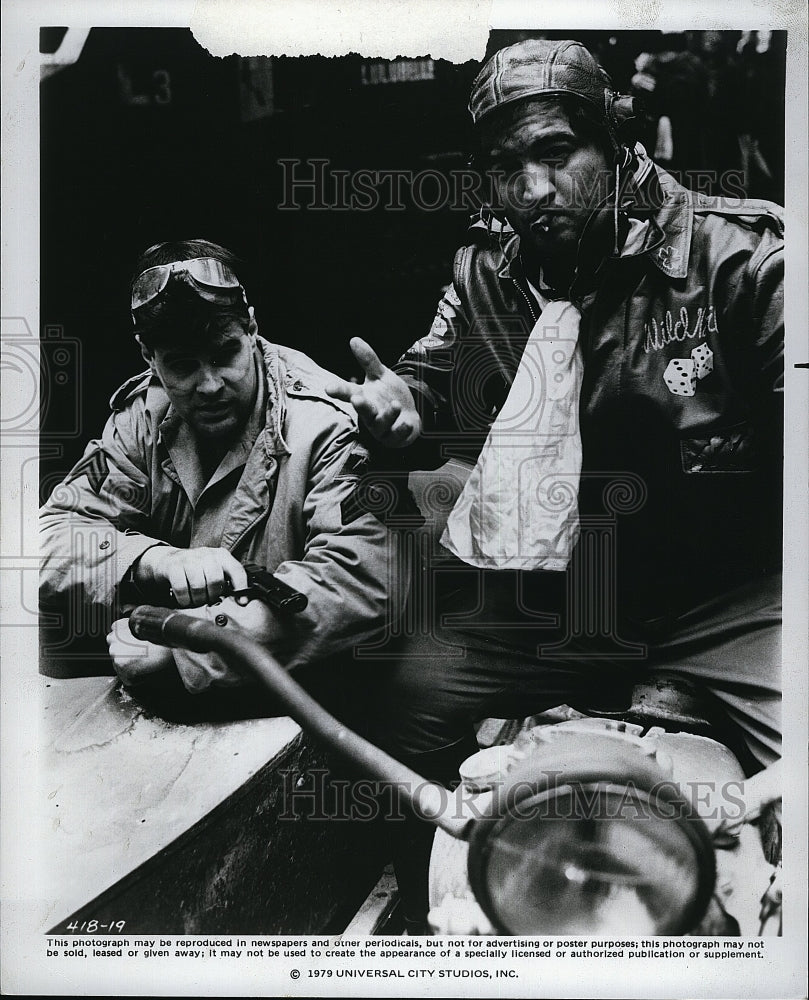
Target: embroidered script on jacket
669	330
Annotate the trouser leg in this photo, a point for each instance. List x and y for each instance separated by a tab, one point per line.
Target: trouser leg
432	696
732	647
430	700
411	838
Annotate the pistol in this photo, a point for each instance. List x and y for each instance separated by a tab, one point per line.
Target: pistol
273	592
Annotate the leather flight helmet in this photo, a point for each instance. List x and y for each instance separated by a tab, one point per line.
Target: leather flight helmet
537	67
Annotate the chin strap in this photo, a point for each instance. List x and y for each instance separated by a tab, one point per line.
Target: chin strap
596	233
616	249
624	160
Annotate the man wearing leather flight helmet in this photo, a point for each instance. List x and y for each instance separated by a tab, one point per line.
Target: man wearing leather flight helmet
226	451
609	361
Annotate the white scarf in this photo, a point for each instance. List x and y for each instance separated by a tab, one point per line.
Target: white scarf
519	507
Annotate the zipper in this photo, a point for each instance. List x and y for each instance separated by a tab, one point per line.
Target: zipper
529	299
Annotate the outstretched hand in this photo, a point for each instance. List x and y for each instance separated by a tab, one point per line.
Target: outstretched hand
383	402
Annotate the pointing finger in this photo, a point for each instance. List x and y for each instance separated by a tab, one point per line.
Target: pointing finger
367	357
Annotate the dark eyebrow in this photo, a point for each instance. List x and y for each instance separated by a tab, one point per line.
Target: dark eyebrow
228	345
536	143
560	135
179	354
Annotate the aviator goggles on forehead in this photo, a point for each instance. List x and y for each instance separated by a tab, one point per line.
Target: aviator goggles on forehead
206	271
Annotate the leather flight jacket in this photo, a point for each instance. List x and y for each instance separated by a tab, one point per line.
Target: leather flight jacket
681	409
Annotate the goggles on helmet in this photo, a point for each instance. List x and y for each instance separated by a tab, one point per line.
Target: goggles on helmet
206	271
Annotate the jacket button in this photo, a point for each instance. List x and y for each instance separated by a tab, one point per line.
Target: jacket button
104	545
297	386
221	619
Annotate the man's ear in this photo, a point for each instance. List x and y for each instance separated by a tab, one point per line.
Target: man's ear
252	326
148	357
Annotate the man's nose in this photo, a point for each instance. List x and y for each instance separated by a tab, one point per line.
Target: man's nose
534	186
210	381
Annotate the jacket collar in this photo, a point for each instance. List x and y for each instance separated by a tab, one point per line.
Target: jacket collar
276	373
675	222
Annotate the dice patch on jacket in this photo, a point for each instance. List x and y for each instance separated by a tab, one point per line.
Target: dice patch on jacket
681	374
702	357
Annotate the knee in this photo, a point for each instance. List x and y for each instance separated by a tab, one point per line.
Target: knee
416	712
406	687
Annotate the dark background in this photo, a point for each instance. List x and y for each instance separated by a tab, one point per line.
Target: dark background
148	138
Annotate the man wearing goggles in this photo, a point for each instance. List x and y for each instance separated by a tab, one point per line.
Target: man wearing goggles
226	451
208	273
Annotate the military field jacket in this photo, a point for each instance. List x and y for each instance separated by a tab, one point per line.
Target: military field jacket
290	500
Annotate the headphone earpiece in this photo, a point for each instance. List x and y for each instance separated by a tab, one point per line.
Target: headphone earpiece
619	109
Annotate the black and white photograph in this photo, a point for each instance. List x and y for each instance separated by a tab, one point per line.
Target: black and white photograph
404	442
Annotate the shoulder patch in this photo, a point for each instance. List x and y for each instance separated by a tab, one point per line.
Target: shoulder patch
94	467
131	388
356	463
384	496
